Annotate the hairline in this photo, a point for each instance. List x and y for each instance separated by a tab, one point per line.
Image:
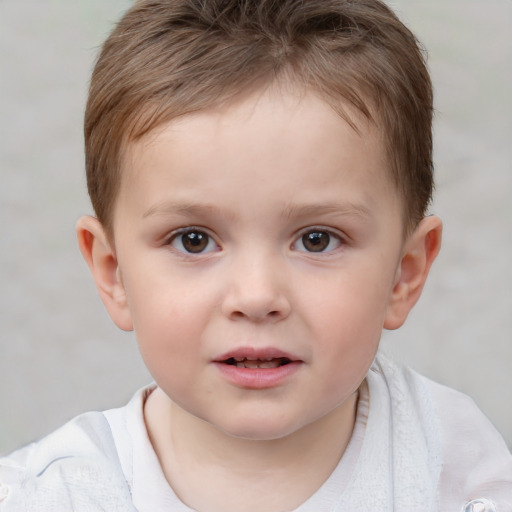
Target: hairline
351	114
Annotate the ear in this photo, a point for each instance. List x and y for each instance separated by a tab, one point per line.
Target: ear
419	252
100	255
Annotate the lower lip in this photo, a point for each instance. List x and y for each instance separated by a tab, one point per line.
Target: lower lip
258	378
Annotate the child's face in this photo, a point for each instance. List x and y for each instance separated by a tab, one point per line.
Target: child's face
258	246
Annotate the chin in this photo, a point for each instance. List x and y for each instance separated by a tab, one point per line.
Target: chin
257	430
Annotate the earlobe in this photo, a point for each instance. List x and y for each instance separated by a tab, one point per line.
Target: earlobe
420	251
100	256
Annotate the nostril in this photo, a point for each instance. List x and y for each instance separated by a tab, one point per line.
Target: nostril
256	307
270	314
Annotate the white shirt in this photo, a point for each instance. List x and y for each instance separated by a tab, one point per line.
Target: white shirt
416	446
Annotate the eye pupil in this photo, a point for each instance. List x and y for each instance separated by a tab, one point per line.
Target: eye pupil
195	241
316	241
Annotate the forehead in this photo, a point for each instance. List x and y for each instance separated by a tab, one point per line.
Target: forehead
283	138
282	98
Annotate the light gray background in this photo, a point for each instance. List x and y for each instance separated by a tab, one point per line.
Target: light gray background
59	352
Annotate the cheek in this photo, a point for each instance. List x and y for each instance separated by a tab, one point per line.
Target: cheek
352	303
347	317
169	334
168	321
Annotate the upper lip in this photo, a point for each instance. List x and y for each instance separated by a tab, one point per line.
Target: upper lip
255	354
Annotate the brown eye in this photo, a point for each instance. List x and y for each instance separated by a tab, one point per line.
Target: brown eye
193	242
317	240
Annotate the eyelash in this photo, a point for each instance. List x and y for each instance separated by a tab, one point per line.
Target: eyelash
206	244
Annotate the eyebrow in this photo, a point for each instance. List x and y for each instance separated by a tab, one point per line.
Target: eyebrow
344	209
294	211
185	209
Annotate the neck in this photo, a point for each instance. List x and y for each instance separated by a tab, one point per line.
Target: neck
212	471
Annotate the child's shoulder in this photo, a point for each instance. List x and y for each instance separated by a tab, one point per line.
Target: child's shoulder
443	430
76	467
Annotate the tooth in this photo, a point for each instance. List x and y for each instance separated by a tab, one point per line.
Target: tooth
269	364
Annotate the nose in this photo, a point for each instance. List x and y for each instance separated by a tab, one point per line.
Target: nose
256	291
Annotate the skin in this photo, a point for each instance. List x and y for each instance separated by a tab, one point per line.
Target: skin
255	179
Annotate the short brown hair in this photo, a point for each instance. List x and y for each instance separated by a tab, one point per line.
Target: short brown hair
166	58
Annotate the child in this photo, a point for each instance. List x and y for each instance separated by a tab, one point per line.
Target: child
261	172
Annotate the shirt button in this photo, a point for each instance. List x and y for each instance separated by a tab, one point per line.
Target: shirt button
481	505
4	491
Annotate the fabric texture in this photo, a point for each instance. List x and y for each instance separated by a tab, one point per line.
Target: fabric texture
416	445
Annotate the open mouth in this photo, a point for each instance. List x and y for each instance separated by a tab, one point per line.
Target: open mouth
244	362
257	368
